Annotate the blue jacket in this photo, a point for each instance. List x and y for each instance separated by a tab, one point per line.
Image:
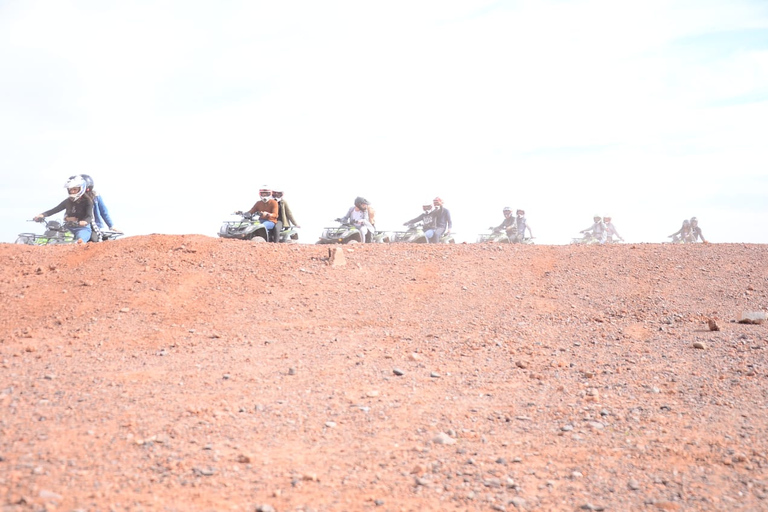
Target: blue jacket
100	213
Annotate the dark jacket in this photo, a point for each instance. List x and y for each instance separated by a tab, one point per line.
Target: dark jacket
81	209
427	219
443	219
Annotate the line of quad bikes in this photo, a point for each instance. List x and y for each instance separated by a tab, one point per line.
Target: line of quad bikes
250	228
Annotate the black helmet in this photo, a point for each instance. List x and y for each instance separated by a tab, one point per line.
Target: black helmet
360	201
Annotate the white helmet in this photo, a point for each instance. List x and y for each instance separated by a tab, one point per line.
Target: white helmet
427	206
265	193
76	183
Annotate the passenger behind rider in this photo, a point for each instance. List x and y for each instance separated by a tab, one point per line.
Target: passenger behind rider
684	233
522	224
284	215
268	210
596	231
610	229
696	231
360	217
78	208
508	225
101	215
427	218
443	223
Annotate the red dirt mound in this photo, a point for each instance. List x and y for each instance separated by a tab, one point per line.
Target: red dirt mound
190	373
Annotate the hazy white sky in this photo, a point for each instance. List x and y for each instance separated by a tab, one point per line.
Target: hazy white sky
651	112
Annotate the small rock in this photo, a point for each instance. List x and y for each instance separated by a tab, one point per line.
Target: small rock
336	257
712	325
700	345
521	364
372	393
443	438
576	474
434	375
398	372
752	317
125	310
330	424
518	502
265	508
378	503
50	496
291	371
567	428
414	356
244	459
633	485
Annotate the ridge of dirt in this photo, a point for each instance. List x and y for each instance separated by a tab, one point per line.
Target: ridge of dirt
169	372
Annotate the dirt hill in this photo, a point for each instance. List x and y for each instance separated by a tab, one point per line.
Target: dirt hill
190	373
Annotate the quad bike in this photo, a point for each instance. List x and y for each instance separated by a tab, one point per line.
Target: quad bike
247	228
500	236
495	236
587	239
347	233
590	239
415	235
55	233
289	235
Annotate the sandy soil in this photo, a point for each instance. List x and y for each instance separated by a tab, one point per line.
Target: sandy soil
190	373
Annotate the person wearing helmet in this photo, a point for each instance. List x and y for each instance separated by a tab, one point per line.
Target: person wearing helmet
77	207
596	230
610	230
284	214
684	234
360	216
521	223
268	211
696	231
427	218
101	215
508	224
443	223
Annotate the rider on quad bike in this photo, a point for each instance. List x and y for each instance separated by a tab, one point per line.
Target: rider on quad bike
284	216
361	217
684	234
78	209
596	231
427	218
443	223
522	224
267	209
508	225
610	229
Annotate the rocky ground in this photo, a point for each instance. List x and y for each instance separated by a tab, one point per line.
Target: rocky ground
189	373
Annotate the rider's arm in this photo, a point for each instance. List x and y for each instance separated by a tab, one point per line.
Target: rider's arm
101	209
289	215
62	206
449	223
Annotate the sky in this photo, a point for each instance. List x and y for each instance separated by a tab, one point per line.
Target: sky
650	112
